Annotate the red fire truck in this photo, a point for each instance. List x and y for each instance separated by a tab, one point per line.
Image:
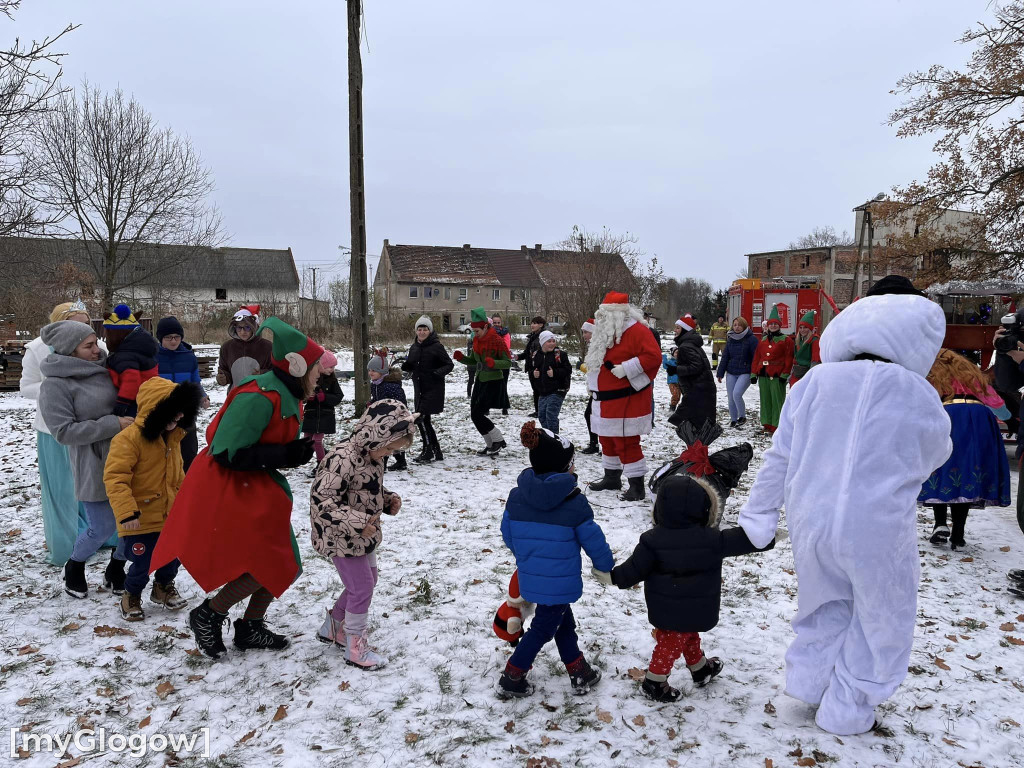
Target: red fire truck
753	301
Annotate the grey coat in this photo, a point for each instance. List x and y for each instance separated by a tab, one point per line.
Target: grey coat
76	401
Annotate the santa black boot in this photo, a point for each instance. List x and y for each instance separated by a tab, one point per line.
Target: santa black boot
656	688
636	490
612	481
706	670
207	625
582	676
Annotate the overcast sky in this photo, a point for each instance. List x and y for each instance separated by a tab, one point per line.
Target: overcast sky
708	130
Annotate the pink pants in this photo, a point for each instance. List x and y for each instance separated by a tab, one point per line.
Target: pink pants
318	445
359	575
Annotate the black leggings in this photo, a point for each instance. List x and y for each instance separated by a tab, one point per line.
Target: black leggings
479	418
959	517
427	433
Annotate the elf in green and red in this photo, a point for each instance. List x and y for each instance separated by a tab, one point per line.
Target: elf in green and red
488	359
773	361
230	524
806	354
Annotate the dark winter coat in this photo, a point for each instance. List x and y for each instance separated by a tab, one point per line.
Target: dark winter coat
696	380
133	363
738	355
547	520
318	414
428	362
680	558
532	348
388	388
558	361
179	365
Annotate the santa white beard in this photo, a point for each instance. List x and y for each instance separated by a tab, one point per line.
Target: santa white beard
610	321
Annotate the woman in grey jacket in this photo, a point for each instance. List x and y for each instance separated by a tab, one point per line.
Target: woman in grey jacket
76	400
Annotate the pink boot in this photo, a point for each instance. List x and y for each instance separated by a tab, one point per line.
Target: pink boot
331	631
359	653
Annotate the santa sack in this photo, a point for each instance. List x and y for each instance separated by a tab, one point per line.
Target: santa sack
722	469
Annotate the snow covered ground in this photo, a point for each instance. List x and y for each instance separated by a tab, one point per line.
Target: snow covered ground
69	664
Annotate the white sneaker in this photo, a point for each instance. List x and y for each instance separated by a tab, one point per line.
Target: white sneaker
331	631
360	654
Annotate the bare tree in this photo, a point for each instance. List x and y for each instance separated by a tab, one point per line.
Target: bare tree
822	237
691	294
978	116
120	183
29	82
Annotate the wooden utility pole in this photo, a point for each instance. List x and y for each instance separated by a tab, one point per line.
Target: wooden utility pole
357	204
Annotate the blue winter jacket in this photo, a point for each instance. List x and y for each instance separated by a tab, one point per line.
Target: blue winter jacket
738	355
179	365
547	519
388	388
668	362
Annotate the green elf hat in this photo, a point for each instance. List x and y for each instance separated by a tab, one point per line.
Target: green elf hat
807	321
773	316
478	318
293	352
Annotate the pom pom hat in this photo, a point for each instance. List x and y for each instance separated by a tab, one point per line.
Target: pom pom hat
293	352
686	322
807	321
548	452
588	326
249	310
121	317
773	316
478	318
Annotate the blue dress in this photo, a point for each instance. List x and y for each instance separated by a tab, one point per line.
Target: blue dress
977	472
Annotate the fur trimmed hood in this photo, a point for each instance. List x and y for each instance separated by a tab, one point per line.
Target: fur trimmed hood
685	501
161	400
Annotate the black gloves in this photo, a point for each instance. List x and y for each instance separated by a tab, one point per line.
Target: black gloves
298	452
263	456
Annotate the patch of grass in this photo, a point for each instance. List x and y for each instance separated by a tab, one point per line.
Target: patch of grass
422	594
444	678
160	644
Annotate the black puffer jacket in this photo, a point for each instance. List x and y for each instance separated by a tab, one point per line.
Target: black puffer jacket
680	558
558	361
532	348
428	362
696	380
318	415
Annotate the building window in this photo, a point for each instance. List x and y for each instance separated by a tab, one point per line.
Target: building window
463	293
448	295
221	294
807	260
496	294
462	320
767	265
556	320
512	295
524	320
414	292
428	292
446	321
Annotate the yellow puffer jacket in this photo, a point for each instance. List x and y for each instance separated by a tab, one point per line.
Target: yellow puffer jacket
144	469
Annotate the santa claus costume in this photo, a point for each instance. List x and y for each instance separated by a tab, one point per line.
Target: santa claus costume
622	363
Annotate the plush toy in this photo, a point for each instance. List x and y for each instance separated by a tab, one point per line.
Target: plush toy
512	614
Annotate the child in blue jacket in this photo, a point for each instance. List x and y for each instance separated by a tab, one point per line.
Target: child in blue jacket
386	384
177	362
547	520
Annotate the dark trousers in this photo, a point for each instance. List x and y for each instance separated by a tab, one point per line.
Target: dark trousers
139	550
505	404
469	384
586	417
480	404
549	622
427	433
189	447
479	418
959	517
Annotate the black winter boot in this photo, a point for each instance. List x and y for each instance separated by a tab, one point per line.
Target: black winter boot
659	690
612	481
253	633
709	671
1017	574
426	455
636	490
113	576
513	683
206	624
591	449
74	579
400	462
582	676
436	447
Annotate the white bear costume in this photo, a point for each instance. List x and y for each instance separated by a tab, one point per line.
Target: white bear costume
856	440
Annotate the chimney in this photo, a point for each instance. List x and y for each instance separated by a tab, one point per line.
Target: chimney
526	252
465	246
538	247
597	249
385	242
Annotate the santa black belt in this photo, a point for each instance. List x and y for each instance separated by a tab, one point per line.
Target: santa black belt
617	394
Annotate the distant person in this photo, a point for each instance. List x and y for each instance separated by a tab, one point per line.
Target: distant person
244	354
734	366
718	334
693	369
132	359
773	362
587	331
503	332
177	363
553	372
429	364
319	417
537	325
488	358
806	351
386	384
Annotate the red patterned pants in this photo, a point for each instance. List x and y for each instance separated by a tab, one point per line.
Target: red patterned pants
670	646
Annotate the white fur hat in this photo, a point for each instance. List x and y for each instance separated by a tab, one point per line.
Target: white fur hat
424	320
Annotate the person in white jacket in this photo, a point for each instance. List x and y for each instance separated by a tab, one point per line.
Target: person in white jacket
855	442
63	515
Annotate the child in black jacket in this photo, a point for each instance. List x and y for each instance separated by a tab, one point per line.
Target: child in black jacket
551	372
680	562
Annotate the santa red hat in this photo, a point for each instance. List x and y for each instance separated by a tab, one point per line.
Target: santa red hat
589	326
686	322
614	297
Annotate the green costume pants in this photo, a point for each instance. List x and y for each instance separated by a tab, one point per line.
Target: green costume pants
773	395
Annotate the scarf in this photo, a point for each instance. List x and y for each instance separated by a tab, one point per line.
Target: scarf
490	345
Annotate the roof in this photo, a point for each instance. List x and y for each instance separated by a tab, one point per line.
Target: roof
523	268
184	267
784	251
991	287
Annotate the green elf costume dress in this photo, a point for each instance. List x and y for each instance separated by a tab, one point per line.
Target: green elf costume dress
490	356
773	361
806	353
230	525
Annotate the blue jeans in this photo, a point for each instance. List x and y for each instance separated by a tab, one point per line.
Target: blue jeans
101	528
548	408
549	621
139	551
735	386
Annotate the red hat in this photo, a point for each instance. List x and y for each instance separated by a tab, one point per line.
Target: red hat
686	322
589	326
614	297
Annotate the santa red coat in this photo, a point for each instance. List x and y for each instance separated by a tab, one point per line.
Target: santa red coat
630	415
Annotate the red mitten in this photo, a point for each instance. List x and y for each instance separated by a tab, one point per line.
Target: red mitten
489	362
457	354
320	396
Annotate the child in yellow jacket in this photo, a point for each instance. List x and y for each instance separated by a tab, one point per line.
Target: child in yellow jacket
143	473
